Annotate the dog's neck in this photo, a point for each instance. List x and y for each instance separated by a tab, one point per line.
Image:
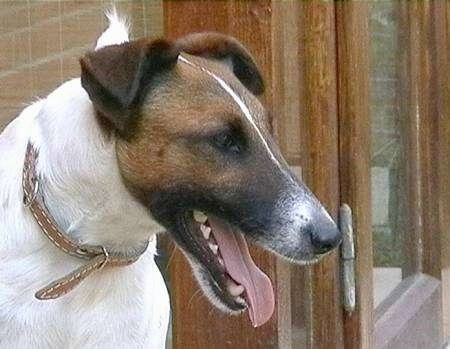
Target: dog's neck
81	181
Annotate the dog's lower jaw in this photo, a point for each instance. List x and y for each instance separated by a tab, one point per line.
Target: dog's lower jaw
204	283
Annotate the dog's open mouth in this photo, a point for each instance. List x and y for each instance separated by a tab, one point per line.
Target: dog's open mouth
222	258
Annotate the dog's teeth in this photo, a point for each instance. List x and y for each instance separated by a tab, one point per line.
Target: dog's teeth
221	262
200	217
206	231
235	289
213	248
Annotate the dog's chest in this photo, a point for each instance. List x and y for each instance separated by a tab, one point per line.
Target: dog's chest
116	308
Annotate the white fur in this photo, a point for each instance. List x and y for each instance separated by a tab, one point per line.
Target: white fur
117	32
121	307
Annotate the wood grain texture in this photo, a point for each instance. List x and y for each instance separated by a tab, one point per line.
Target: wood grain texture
441	70
293	328
305	109
441	34
408	98
319	161
424	77
355	153
420	92
435	115
287	117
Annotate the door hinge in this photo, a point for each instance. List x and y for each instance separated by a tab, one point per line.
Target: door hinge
347	259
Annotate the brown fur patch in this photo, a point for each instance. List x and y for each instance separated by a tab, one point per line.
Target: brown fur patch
165	112
117	77
178	116
223	47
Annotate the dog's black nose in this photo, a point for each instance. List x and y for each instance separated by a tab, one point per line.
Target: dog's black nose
325	236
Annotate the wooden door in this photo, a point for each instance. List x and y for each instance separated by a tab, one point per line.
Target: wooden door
393	85
323	63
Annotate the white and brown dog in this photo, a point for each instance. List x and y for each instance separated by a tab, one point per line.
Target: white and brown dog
155	136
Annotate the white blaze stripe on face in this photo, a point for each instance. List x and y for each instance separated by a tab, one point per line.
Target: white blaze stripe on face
245	110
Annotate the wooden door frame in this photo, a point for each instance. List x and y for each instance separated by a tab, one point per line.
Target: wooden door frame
319	159
400	319
441	38
353	69
410	314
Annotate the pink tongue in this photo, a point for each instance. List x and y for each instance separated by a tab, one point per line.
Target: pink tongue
243	270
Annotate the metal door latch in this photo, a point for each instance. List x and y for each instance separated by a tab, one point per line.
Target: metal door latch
347	258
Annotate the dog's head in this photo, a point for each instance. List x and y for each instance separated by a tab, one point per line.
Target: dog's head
194	145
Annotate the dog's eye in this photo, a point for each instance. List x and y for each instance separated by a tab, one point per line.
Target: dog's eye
225	141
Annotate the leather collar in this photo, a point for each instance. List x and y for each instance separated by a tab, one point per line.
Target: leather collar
97	256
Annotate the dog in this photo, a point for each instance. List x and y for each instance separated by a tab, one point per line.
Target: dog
154	136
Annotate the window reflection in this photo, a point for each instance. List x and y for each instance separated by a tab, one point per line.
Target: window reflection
386	149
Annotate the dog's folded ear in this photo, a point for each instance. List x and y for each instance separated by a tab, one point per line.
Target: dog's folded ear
117	77
227	48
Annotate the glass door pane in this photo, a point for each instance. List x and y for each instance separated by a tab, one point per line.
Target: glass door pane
388	190
407	152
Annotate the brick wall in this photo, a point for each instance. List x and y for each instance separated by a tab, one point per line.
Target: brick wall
41	41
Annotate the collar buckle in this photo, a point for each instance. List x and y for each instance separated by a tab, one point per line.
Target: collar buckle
106	260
